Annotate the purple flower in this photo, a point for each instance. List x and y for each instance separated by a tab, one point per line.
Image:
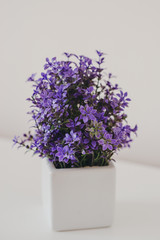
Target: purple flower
99	53
90	89
78	115
87	113
32	77
65	154
107	146
72	124
72	137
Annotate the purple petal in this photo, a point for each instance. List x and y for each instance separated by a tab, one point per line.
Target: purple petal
90	89
99	53
83	152
82	110
113	141
101	141
78	123
76	119
86	141
65	160
92	117
93	143
66	148
85	119
59	149
104	147
68	125
110	147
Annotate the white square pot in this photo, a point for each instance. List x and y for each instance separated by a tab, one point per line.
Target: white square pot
78	198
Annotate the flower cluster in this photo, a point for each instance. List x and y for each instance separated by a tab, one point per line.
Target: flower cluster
78	113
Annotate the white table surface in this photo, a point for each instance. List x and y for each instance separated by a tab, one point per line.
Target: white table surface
137	212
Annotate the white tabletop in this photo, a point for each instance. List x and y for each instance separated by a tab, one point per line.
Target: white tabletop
137	213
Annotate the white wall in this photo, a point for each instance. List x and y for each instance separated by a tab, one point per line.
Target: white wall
128	31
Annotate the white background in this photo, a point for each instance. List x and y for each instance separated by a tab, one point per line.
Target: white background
128	31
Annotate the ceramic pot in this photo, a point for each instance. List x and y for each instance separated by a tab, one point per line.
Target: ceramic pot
78	198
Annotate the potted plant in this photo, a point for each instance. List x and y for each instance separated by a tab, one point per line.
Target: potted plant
80	124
